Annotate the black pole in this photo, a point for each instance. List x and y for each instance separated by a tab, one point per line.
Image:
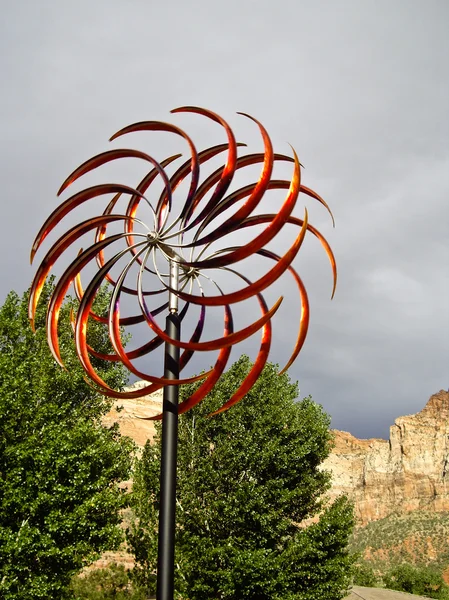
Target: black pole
167	501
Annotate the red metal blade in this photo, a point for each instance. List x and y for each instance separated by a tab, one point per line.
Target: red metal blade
259	285
217	371
259	363
263	238
228	170
71	203
218	343
62	287
260	219
55	252
305	311
255	197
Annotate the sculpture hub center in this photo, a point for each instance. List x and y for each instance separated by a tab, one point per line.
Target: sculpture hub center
153	237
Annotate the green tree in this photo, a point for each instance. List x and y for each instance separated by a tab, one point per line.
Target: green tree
363	574
423	581
248	479
59	467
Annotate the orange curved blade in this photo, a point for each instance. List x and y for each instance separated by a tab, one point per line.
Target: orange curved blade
100	234
228	170
274	184
218	343
259	363
263	238
313	194
144	391
255	197
259	219
203	157
235	197
217	371
259	285
55	252
62	287
205	187
105	157
71	203
178	177
194	163
305	311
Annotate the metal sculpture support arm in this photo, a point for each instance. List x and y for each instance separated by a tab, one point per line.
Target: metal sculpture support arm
167	500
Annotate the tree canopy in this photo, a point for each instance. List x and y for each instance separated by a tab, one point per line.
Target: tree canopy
60	468
249	483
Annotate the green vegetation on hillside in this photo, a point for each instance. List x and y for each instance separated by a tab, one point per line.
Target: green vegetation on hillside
406	552
418	538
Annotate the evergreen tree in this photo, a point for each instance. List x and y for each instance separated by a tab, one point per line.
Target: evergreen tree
248	480
59	466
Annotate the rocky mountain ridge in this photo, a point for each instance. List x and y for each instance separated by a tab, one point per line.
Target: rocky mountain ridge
410	471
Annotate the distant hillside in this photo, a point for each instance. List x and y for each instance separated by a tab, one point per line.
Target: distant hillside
419	538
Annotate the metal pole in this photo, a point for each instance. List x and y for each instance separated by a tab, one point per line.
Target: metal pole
167	501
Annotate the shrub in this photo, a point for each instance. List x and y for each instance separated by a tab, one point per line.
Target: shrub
364	575
111	583
421	581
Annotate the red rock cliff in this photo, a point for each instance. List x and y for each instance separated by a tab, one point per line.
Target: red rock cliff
408	472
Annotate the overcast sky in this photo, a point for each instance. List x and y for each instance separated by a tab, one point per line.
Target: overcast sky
360	89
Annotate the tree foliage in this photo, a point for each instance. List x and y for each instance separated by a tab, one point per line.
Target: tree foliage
247	481
111	583
59	467
423	581
363	574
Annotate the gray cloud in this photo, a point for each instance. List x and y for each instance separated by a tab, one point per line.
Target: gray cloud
360	90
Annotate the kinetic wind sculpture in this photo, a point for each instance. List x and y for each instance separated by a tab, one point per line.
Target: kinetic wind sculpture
174	255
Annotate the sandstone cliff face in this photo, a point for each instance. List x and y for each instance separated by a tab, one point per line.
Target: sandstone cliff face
408	472
128	414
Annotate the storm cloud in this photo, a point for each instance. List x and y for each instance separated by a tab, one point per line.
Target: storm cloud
360	89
